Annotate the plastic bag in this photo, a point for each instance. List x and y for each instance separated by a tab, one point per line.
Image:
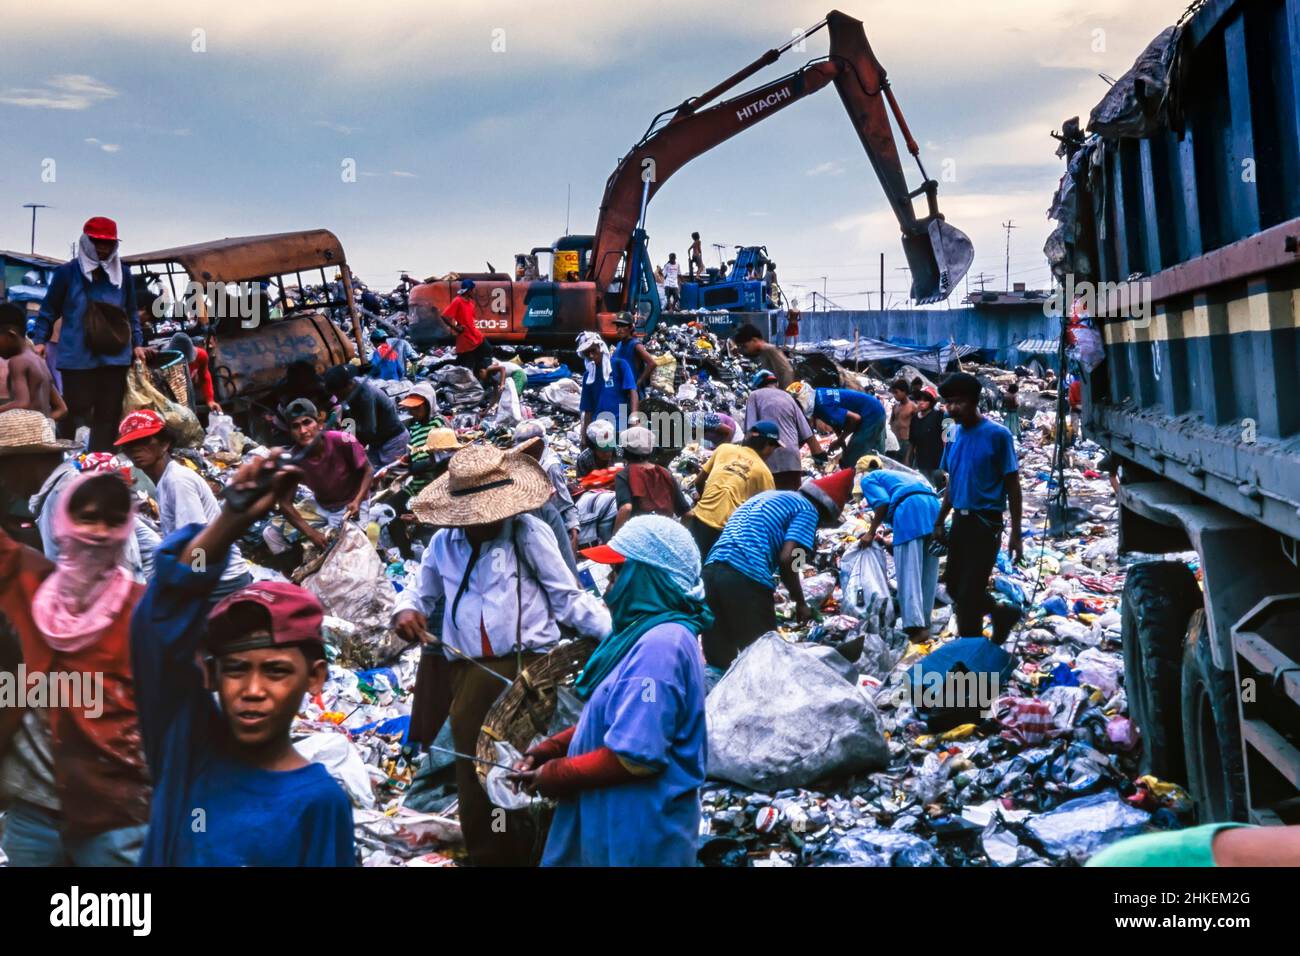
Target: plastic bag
509	411
1079	828
351	584
781	718
565	394
665	372
870	846
335	753
142	393
864	584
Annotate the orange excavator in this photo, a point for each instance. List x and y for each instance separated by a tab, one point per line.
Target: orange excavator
595	277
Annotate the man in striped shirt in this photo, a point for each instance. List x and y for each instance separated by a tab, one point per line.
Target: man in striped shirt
421	403
772	533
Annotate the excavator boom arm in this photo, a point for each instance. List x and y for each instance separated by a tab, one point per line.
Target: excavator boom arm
937	254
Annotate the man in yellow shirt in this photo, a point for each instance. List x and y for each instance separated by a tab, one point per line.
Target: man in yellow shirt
732	476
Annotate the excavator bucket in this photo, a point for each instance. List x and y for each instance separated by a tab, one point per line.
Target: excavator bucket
938	261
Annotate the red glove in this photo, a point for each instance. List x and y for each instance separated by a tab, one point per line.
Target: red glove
552	748
569	775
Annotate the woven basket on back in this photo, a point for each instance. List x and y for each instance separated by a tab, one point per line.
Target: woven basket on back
524	710
175	372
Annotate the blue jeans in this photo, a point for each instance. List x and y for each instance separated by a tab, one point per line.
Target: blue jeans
32	837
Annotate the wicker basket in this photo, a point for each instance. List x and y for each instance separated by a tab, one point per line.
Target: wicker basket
175	373
524	710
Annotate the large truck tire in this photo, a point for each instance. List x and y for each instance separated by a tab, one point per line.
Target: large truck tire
1211	730
1159	598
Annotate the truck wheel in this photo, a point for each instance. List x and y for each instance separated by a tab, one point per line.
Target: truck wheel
1159	598
1211	731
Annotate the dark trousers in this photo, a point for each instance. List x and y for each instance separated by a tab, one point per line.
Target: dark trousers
973	546
493	837
706	536
743	611
94	398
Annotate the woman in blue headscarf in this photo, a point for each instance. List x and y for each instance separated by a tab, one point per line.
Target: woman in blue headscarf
628	776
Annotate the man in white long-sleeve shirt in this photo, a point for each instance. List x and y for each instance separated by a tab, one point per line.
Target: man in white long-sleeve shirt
505	593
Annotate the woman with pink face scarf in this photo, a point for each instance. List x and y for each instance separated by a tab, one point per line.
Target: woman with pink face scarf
74	702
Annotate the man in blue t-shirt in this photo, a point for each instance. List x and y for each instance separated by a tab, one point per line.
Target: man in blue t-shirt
909	506
983	477
631	350
608	388
229	787
772	533
856	418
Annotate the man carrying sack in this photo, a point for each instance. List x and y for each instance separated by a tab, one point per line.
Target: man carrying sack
506	592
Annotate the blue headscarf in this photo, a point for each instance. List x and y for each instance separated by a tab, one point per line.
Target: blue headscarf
658	584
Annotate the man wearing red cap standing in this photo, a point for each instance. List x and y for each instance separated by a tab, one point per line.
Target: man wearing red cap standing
229	787
92	294
772	533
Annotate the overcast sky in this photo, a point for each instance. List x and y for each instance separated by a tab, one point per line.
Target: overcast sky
468	120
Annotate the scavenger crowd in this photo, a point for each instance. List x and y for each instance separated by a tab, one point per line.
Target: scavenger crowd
164	598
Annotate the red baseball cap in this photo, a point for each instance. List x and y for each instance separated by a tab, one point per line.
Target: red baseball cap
100	227
293	616
603	554
139	424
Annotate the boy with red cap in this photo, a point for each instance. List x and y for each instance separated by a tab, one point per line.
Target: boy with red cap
93	294
773	532
229	788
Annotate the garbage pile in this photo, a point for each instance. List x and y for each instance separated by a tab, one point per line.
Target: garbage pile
820	753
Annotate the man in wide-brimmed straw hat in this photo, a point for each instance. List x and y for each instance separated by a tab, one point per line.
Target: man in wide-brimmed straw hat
504	592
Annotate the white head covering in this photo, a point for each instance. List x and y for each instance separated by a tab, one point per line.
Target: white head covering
585	341
89	261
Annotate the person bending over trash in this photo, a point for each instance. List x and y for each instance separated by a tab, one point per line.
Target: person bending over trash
628	776
372	414
229	788
337	472
856	419
769	402
602	449
983	477
771	532
909	506
752	345
644	487
732	475
506	593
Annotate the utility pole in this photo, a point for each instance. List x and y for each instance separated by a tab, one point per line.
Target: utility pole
1008	226
33	206
882	282
823	278
982	279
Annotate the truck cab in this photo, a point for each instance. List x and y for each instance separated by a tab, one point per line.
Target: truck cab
734	289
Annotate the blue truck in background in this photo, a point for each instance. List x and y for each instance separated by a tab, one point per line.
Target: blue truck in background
733	290
1179	218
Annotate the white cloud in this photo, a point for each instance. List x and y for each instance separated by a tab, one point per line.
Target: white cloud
65	91
106	147
403	173
832	168
337	127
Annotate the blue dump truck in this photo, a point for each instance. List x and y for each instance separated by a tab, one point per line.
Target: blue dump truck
1179	230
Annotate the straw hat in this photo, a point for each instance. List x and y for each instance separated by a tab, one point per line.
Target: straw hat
441	439
27	432
482	485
